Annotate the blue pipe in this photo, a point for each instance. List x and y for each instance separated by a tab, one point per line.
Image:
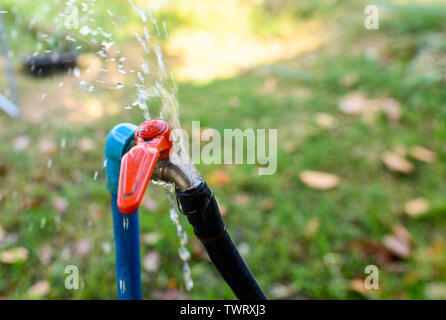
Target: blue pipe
128	266
125	226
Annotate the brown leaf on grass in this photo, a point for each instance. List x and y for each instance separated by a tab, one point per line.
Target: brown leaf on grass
21	143
319	180
417	207
356	103
14	255
151	261
423	154
399	243
357	285
48	147
378	252
220	178
397	163
40	289
325	120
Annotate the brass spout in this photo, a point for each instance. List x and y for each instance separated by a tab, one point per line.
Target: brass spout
169	172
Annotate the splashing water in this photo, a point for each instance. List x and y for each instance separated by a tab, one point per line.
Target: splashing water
162	87
182	235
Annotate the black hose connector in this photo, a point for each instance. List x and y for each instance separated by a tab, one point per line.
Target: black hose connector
201	209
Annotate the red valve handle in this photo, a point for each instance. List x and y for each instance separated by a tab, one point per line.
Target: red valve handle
152	143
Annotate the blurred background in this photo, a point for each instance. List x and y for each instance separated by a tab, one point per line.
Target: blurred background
361	145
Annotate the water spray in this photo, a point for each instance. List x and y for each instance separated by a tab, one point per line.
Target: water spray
136	155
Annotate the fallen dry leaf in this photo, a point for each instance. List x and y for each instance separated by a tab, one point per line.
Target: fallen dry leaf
151	261
417	207
40	289
423	154
371	248
402	233
319	180
220	178
357	285
356	103
399	243
397	246
396	163
48	147
14	255
325	120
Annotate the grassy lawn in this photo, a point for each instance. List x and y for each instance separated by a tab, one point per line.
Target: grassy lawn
301	243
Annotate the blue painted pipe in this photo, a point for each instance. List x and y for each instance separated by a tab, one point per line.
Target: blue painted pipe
125	226
128	266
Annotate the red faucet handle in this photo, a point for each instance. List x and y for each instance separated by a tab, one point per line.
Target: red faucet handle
137	165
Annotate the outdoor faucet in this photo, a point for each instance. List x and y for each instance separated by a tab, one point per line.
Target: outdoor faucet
134	155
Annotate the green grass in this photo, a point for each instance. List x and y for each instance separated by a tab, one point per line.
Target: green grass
365	207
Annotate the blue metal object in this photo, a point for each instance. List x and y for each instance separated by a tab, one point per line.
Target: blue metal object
128	265
125	226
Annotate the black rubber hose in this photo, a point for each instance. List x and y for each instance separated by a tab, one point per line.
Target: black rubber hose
201	209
